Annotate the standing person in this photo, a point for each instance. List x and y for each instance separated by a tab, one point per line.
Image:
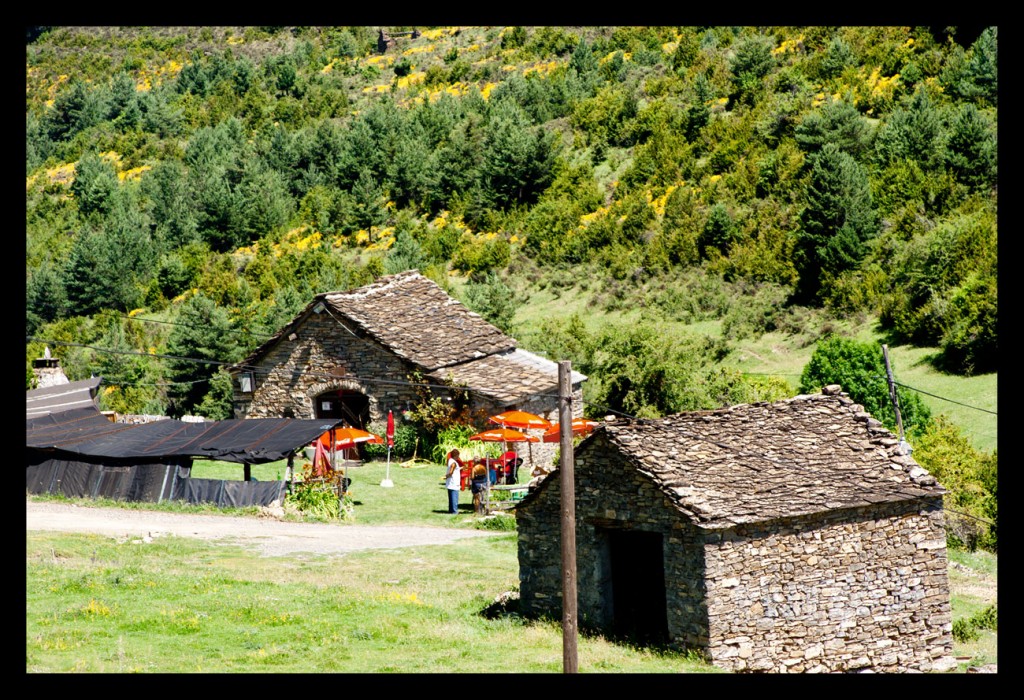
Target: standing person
480	484
453	481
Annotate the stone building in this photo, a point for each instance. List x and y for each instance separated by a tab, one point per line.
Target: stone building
351	355
388	40
779	537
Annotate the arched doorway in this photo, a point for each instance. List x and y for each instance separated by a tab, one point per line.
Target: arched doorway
349	405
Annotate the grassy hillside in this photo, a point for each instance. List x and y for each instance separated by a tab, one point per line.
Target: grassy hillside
970	402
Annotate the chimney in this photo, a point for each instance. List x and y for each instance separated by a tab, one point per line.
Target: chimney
47	370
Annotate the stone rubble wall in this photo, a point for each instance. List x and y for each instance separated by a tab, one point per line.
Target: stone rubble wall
838	593
608	495
324	357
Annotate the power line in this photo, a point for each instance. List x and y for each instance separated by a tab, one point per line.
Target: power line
127	352
187	325
262	370
297	373
936	396
881	378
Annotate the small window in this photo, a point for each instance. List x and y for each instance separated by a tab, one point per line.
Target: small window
245	382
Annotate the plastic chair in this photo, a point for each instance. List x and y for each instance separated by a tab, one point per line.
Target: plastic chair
508	462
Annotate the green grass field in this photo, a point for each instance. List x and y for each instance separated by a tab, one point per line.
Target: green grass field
176	605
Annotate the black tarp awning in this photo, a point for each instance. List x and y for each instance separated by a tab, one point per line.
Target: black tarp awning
87	432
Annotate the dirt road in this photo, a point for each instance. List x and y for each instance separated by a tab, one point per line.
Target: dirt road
270	536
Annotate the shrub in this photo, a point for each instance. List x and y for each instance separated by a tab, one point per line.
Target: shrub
969	476
316	499
964	632
498	521
860	369
456	437
403	67
406	439
967	629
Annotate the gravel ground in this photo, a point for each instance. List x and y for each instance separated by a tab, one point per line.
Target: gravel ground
271	537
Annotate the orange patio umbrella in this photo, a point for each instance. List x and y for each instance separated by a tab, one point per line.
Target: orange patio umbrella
504	435
345	438
523	421
520	420
580	426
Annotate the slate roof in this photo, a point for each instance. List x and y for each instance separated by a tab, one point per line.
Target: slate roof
508	377
756	462
62	397
417	320
413	317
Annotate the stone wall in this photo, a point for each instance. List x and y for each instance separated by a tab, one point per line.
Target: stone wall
841	592
324	357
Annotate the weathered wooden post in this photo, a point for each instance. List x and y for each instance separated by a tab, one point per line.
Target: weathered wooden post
569	656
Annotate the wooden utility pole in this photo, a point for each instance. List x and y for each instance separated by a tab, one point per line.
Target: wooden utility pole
569	657
892	392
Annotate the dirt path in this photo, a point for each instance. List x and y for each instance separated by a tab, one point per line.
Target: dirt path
270	536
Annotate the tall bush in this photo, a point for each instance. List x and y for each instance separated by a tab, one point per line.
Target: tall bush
970	477
860	369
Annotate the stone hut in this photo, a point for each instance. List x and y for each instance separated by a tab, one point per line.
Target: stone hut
350	355
779	537
388	40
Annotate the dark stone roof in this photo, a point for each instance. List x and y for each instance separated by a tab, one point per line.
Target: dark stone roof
508	377
411	316
62	397
757	462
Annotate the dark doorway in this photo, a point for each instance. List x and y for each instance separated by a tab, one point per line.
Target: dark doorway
353	407
637	574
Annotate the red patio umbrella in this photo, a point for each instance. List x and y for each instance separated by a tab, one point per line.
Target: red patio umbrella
580	426
387	483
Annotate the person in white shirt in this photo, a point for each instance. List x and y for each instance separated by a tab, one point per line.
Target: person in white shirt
453	481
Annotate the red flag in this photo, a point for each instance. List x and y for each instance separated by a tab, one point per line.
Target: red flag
321	461
391	430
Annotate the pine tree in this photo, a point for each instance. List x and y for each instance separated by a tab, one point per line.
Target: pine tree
838	122
199	345
95	185
971	149
913	132
837	222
